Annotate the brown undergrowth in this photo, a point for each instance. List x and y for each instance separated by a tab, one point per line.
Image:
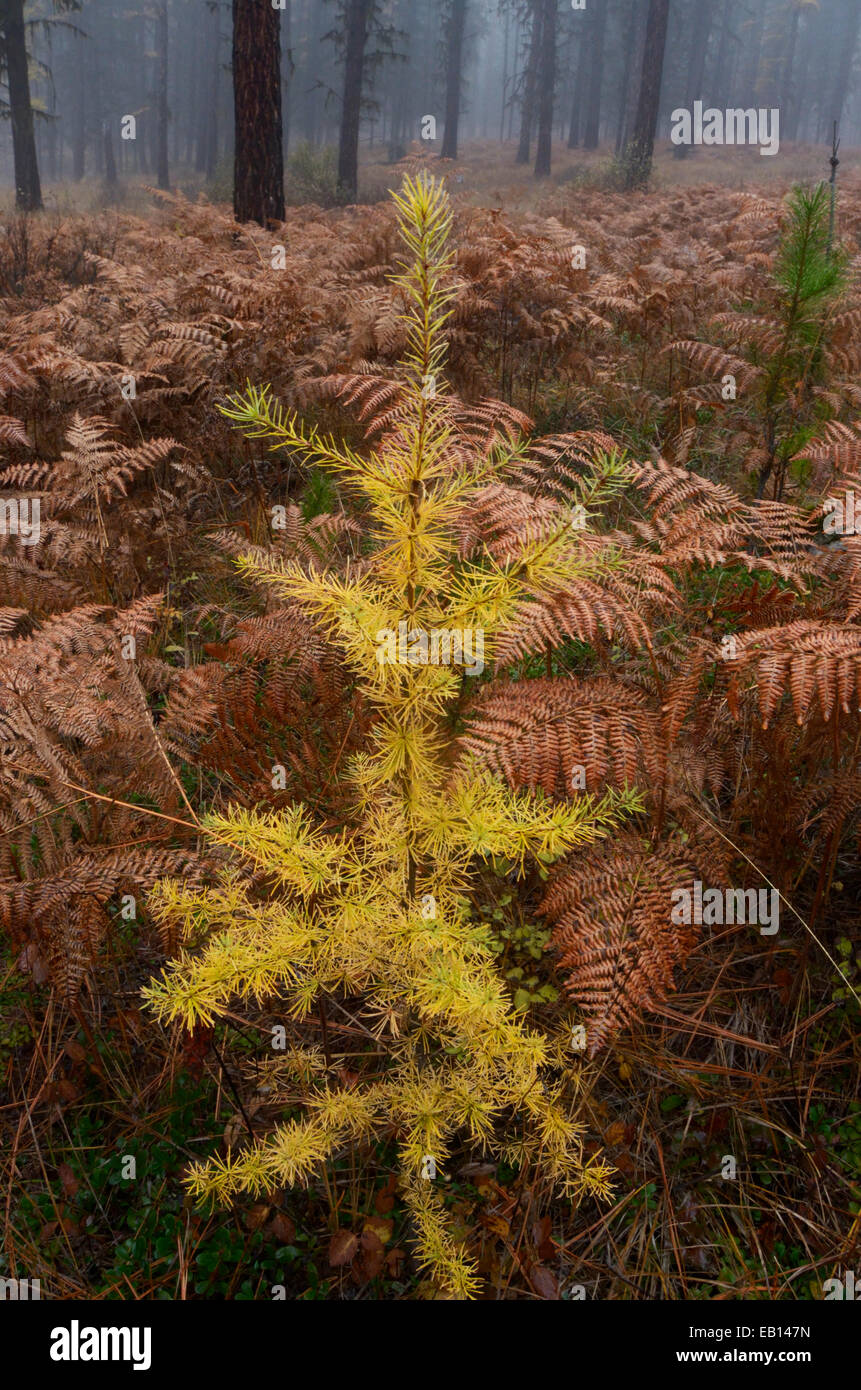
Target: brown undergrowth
120	335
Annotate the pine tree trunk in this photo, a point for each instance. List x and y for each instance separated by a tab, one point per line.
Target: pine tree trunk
798	91
215	87
630	24
696	65
794	79
530	84
52	148
849	42
719	83
287	62
453	77
574	118
639	16
110	162
357	17
161	160
575	124
203	113
596	74
28	192
52	121
752	32
640	152
258	158
505	76
547	86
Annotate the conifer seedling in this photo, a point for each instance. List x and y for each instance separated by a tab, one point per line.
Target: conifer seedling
375	914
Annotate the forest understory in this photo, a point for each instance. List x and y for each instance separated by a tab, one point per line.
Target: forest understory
662	385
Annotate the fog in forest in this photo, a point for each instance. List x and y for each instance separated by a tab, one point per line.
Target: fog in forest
120	93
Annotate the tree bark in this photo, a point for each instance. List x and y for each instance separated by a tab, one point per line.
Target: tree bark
161	160
846	56
797	88
357	19
110	162
547	86
719	82
28	191
258	159
215	88
507	40
52	120
641	150
204	111
752	40
627	65
529	85
287	61
453	77
596	74
696	65
575	123
639	16
789	56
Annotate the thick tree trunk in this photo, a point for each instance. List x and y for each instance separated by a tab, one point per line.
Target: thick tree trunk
453	77
358	15
639	17
28	192
530	83
596	74
258	158
642	147
547	87
161	161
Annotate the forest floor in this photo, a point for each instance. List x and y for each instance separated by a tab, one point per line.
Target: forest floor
749	1069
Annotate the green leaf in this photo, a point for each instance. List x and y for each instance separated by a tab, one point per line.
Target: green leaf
670	1103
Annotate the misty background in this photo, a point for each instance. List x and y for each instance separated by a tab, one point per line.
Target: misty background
475	65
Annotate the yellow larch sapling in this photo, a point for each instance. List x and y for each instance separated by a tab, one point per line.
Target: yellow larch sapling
377	912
